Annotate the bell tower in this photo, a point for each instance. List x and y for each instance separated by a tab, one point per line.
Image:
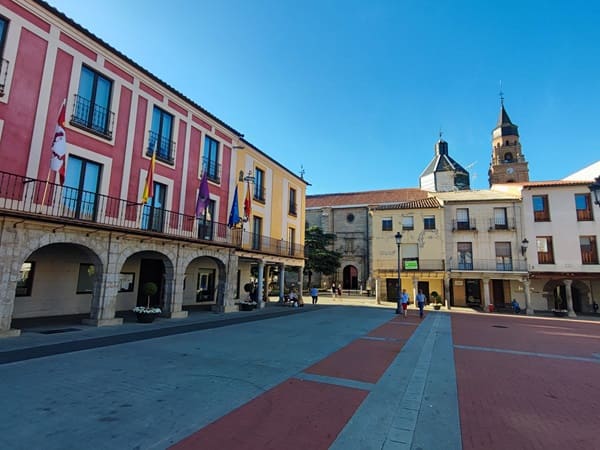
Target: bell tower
508	164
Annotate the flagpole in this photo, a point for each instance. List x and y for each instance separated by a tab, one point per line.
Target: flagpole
46	187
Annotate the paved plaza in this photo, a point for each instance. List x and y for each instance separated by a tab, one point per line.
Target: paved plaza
345	374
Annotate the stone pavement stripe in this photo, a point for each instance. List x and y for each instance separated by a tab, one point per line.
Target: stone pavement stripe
23	354
334	380
517	352
373	338
296	414
393	415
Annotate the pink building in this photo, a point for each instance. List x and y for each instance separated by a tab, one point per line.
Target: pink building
88	245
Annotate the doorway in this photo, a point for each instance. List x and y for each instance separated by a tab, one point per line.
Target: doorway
151	270
498	292
423	286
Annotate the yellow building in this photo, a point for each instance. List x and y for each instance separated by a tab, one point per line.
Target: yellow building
271	203
420	253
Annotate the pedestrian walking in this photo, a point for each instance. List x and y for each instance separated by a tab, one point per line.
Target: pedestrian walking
404	299
421	299
314	293
333	290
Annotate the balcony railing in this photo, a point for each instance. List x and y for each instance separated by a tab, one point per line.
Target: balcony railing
259	193
416	264
212	168
490	265
509	224
165	148
38	200
3	74
464	225
93	118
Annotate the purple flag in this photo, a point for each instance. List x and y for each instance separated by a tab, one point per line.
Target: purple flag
203	196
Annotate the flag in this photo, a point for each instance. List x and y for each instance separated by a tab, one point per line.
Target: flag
234	215
203	196
59	146
149	186
247	203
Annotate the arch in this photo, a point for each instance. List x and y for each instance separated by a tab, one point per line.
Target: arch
67	279
204	281
350	277
555	293
508	157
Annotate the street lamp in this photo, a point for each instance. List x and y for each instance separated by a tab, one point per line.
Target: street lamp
524	245
398	238
595	190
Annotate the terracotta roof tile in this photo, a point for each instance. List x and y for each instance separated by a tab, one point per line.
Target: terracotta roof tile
431	202
391	196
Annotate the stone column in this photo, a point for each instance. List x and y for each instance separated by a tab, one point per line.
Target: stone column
300	281
261	282
486	294
570	310
447	291
528	304
281	281
7	301
104	300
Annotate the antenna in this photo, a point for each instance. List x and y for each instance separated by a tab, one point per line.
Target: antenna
501	94
302	171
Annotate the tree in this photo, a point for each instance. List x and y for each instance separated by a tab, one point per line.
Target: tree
319	258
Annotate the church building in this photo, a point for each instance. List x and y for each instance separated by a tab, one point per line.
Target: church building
444	174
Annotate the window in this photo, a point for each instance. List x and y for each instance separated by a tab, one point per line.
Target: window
80	191
410	256
153	215
541	213
545	252
291	241
500	222
256	232
386	224
259	185
589	251
126	281
3	62
408	223
25	281
429	222
503	256
465	255
349	245
583	206
205	222
292	205
92	102
85	281
462	219
160	135
350	218
211	159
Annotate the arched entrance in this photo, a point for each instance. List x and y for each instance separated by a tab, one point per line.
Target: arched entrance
350	278
556	294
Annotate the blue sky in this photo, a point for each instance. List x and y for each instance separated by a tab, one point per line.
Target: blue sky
356	92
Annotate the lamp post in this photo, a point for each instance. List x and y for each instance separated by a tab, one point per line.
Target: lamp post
524	246
398	238
528	306
595	190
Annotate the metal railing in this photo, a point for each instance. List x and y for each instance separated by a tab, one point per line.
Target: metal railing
165	148
466	225
417	264
509	224
39	200
92	117
490	265
212	168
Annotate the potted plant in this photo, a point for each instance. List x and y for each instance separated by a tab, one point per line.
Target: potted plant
437	300
147	314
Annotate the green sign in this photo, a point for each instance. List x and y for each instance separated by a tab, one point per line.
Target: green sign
411	265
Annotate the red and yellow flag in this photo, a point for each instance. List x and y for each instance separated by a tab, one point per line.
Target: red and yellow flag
247	202
149	186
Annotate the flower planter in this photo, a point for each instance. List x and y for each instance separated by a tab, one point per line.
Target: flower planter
437	307
146	317
560	313
246	307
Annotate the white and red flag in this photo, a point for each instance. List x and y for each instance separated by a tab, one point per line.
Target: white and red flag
59	146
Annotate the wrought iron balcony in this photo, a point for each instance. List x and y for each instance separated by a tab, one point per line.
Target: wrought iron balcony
490	265
92	117
293	209
464	225
212	168
39	200
165	148
3	75
259	193
494	225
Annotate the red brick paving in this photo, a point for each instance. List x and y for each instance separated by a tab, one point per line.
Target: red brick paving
527	402
294	415
301	414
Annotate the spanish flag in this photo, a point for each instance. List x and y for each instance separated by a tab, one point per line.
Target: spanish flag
247	202
149	186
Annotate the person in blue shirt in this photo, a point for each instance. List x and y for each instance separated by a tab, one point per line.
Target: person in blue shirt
404	298
516	307
421	299
314	293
